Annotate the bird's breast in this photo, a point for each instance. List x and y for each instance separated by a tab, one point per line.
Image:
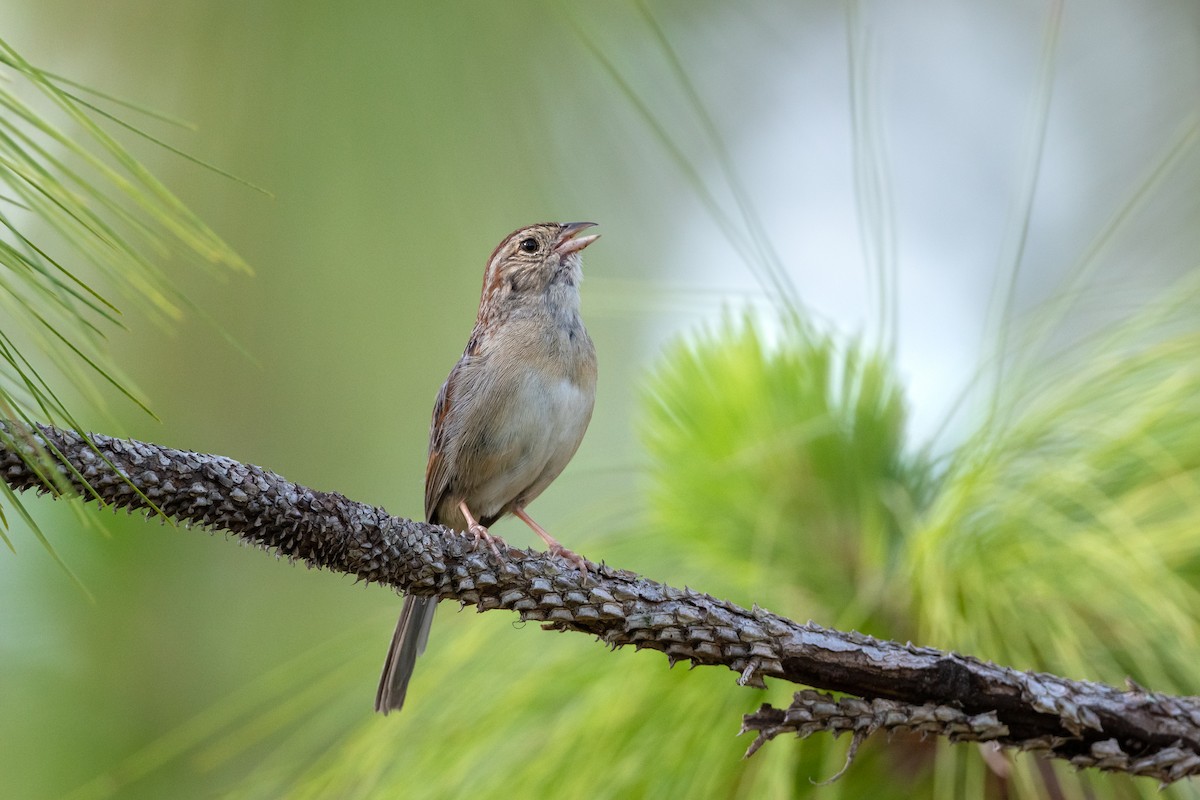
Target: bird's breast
528	428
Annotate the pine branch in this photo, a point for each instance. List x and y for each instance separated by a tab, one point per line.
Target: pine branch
896	686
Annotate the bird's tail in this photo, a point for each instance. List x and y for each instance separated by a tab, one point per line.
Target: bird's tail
408	642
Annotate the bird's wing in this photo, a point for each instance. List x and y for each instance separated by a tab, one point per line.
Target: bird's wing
442	464
437	470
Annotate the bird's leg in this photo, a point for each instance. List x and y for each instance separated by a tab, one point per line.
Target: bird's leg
480	532
556	549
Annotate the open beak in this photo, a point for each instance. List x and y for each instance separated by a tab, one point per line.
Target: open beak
570	242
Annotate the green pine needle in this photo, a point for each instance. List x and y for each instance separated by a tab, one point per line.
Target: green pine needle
81	195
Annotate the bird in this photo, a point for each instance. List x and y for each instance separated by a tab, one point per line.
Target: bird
509	416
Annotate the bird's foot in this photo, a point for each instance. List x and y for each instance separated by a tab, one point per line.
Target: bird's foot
482	534
557	549
552	545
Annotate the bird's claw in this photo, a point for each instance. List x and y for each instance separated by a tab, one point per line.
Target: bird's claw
570	555
483	534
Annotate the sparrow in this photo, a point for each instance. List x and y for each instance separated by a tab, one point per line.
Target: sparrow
510	415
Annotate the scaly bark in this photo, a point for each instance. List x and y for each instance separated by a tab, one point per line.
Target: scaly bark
896	686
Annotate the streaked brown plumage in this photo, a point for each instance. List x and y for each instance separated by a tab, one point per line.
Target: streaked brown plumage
511	413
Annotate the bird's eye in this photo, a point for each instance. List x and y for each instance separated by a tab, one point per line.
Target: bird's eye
529	245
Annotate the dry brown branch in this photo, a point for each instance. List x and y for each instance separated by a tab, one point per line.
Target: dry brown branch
896	686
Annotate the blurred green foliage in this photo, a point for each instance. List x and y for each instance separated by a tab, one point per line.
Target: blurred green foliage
788	461
1083	510
1063	540
98	205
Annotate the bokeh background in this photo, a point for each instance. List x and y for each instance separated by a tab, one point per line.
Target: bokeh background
899	158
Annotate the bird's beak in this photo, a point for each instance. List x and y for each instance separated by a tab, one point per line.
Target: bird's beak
569	242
